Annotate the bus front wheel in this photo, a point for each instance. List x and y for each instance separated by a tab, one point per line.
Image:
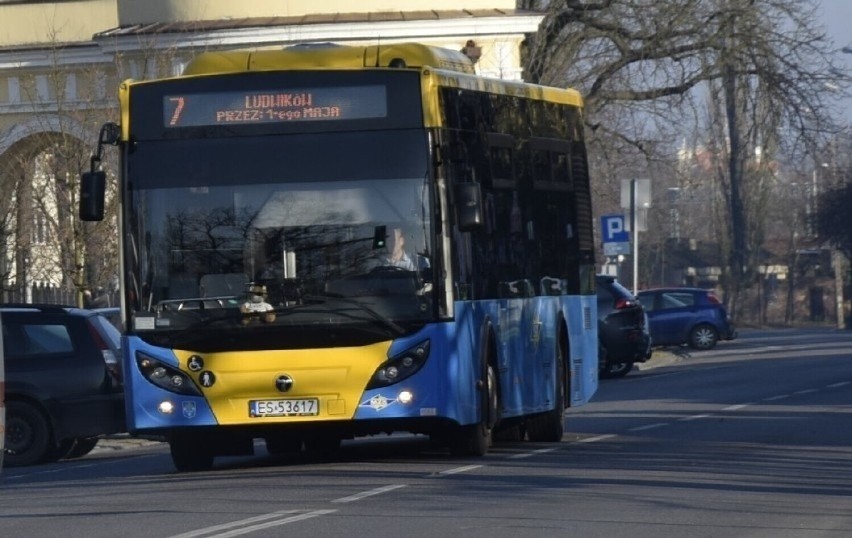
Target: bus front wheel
549	427
475	439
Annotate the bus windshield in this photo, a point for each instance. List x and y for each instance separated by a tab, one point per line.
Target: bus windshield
247	248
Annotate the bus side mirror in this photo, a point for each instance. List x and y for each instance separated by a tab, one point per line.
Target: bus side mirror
469	206
92	189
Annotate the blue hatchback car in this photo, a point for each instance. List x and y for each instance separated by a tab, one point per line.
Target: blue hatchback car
691	316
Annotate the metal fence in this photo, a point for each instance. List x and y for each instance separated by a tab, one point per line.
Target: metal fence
41	294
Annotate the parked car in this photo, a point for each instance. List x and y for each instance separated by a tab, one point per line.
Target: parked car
622	329
691	316
112	314
63	382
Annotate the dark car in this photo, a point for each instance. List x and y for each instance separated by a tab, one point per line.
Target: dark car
112	314
63	382
622	329
691	316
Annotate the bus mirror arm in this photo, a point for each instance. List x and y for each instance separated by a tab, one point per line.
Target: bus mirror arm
93	182
469	206
109	134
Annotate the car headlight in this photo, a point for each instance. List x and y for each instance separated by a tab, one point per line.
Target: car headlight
400	366
165	376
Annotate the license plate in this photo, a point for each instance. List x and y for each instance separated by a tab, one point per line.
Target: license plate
283	408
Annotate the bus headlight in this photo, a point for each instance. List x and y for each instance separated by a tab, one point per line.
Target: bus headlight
400	366
166	377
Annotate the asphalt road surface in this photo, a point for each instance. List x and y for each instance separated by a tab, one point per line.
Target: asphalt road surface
752	439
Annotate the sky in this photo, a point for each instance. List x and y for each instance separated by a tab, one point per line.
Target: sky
836	18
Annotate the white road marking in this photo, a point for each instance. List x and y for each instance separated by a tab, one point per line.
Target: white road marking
597	438
530	454
458	470
694	417
368	493
648	427
247	527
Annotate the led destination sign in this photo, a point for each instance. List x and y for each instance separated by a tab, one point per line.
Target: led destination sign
274	106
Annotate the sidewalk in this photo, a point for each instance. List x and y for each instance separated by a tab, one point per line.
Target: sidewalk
123	441
659	357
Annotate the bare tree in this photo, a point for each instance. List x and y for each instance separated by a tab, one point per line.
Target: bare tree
51	245
49	242
766	67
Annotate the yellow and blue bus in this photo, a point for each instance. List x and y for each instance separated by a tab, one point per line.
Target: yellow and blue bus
325	243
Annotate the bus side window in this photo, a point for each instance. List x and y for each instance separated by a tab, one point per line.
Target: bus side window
469	206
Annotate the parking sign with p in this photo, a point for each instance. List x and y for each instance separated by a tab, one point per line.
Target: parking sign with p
613	230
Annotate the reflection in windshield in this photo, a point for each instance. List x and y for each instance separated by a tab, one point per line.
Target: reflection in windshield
220	254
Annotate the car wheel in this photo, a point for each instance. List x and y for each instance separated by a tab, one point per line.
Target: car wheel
27	434
703	337
616	369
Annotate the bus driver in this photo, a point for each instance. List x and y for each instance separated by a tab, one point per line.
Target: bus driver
398	257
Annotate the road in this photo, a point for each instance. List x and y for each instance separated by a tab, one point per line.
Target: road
753	439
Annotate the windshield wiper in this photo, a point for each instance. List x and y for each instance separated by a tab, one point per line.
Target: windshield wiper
384	320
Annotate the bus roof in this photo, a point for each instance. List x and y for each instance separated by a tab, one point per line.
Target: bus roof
449	67
326	56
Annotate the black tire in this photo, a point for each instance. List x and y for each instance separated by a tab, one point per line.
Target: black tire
703	337
28	435
190	454
475	439
549	427
614	370
82	446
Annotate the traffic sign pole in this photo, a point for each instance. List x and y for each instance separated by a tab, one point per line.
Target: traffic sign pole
635	229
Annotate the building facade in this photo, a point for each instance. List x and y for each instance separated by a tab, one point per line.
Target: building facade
61	62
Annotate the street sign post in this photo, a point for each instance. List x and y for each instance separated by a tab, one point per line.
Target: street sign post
636	195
